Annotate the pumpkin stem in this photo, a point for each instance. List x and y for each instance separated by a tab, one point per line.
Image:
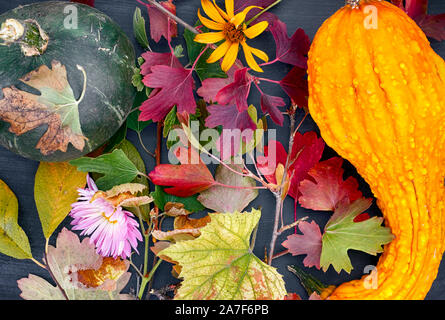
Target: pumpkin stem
353	3
31	37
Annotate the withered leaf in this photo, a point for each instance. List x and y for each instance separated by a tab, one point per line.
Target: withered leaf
56	107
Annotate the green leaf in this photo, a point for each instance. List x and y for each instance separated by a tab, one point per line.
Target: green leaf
115	167
222	199
136	79
117	138
170	120
342	233
134	156
133	122
13	240
161	198
219	264
203	69
139	29
55	189
178	51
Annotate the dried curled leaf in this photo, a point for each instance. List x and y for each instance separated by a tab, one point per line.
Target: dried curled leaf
132	188
220	265
56	107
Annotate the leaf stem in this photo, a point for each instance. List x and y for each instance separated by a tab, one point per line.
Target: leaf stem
146	279
38	263
51	273
143	145
263	11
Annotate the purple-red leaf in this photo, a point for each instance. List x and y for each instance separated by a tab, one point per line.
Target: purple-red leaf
237	91
308	243
211	86
155	58
270	104
306	153
175	88
292	50
329	188
296	86
160	23
240	5
274	155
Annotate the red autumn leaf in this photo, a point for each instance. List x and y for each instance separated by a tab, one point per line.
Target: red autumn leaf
211	86
160	23
270	104
329	188
296	87
236	126
186	179
274	154
87	2
362	217
291	50
432	25
237	91
306	153
175	88
308	243
152	59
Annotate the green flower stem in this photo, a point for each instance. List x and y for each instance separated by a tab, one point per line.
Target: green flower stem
147	278
262	11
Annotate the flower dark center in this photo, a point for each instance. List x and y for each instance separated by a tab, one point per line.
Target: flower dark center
232	33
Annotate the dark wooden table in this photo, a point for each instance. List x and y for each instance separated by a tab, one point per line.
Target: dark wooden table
19	173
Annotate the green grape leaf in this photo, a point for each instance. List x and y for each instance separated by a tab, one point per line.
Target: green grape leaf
220	264
342	233
115	167
13	240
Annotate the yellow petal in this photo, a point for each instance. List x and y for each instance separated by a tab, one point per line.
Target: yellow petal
230	57
211	11
249	57
209	37
256	30
241	16
221	11
230	8
209	23
260	54
219	52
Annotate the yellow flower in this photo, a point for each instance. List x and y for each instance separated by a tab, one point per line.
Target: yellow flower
234	31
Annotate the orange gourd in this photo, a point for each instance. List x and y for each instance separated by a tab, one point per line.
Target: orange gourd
377	94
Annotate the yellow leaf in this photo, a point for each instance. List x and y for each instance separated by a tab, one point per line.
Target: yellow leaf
55	190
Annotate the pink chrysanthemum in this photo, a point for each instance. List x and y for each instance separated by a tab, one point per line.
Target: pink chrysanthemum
112	230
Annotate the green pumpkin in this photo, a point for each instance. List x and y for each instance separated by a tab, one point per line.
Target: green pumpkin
65	80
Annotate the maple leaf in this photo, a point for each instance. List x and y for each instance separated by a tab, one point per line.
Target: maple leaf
270	104
342	234
80	271
160	24
308	243
211	86
56	107
237	91
328	189
175	88
222	199
307	150
432	25
220	264
291	50
152	59
87	2
274	155
296	86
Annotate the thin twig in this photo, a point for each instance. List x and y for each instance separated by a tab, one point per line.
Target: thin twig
143	145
